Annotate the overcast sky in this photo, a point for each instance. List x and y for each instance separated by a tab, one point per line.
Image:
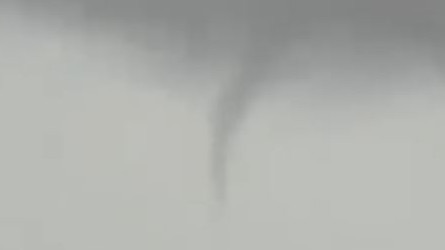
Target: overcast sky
92	157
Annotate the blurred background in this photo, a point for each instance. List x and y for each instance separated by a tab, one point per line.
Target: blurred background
105	136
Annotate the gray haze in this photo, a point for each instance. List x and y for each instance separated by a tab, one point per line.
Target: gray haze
344	56
263	31
256	35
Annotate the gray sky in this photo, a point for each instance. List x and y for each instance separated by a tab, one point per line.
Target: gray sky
364	40
93	160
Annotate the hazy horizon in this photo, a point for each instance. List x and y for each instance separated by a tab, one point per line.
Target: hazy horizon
106	145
